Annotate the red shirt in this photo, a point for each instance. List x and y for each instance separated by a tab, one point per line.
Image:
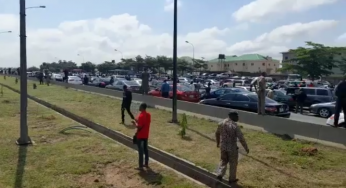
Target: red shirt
143	121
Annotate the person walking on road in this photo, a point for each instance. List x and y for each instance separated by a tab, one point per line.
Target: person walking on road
300	98
145	81
143	126
227	134
261	93
165	89
340	93
126	104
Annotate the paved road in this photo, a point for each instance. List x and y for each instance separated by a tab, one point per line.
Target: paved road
310	118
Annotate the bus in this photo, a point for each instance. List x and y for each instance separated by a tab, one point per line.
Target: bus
294	77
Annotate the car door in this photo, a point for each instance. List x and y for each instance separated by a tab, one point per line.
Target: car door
224	101
311	96
241	102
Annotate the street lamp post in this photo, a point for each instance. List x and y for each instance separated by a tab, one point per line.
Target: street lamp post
175	78
24	138
1	32
193	52
121	53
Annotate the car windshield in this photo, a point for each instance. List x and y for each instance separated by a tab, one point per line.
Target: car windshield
255	98
131	83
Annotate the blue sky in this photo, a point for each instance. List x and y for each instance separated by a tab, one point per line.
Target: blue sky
193	18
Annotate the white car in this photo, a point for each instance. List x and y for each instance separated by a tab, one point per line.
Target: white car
57	77
75	80
330	120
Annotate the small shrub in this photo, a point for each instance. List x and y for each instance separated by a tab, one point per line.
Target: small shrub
183	124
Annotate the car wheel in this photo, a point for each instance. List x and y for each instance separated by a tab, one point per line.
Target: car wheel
324	112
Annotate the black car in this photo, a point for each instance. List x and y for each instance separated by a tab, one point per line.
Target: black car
248	101
222	91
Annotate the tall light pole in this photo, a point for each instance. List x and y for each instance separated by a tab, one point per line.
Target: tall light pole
121	53
1	32
24	138
193	52
175	77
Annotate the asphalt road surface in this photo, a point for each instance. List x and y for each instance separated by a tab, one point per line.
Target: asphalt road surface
309	118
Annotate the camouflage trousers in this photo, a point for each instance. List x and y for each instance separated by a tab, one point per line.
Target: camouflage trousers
231	158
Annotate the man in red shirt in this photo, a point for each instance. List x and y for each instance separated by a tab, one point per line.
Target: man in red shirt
143	126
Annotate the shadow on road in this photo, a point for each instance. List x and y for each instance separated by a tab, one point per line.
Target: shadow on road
20	166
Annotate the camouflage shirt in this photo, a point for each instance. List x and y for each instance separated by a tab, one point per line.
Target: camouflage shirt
228	132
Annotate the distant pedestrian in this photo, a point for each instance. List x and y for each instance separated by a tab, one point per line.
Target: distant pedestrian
271	94
65	79
261	82
208	89
340	93
300	98
143	126
227	134
86	80
126	104
145	82
165	89
40	77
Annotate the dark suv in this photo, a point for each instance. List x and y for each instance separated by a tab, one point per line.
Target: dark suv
315	95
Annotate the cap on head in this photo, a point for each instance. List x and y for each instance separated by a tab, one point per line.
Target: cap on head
232	113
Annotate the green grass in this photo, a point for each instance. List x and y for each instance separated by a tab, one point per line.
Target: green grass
75	158
273	161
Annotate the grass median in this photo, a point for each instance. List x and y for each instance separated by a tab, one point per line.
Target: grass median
74	158
273	161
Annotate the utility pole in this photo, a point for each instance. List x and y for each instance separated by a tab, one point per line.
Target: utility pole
24	135
175	77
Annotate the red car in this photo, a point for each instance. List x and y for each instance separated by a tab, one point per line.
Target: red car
184	93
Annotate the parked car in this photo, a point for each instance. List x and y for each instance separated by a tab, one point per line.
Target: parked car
183	93
330	120
131	85
248	101
99	81
280	96
315	95
57	77
222	91
324	110
74	80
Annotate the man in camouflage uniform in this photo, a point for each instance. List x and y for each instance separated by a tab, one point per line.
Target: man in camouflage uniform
228	132
261	93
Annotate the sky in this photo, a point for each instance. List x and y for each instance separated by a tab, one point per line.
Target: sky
90	30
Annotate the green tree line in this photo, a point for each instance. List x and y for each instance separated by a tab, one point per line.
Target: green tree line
315	60
158	64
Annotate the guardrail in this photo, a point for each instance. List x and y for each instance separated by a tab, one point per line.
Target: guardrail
185	167
282	126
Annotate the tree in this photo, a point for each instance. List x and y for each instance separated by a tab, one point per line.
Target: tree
315	60
33	69
106	66
88	67
58	66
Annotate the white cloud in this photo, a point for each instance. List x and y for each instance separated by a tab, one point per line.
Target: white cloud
260	10
169	5
278	40
96	40
342	37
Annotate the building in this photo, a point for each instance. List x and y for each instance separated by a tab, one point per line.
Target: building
288	56
252	63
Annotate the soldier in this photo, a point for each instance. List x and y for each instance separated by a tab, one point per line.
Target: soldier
261	93
145	82
228	132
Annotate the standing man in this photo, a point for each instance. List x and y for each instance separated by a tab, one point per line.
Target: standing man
228	132
340	93
66	75
40	77
165	89
145	81
126	104
300	98
142	134
261	93
208	89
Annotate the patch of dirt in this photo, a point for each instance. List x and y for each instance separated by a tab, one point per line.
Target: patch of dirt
51	139
311	151
122	175
48	117
6	102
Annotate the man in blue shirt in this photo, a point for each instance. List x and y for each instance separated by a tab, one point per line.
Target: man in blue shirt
165	89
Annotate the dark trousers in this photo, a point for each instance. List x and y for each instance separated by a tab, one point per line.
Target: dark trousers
165	94
299	105
41	81
127	108
339	105
142	150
